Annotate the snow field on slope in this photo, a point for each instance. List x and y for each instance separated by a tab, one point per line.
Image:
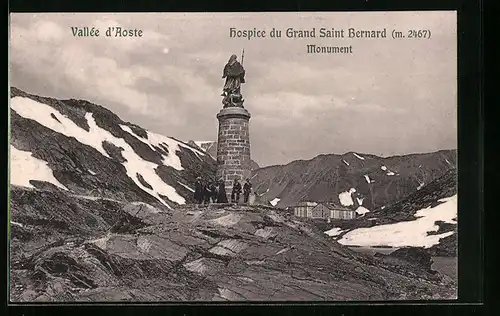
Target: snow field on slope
345	197
24	167
367	178
410	233
40	112
358	156
335	231
157	140
362	210
275	201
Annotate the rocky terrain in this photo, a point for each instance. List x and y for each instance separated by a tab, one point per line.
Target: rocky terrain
91	151
66	247
351	179
100	210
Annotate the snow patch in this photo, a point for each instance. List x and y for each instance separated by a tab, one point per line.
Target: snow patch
95	137
360	200
335	231
17	224
345	162
24	167
159	140
188	188
367	178
274	201
131	132
420	186
389	172
155	139
263	193
91	172
358	156
200	143
409	233
345	197
362	210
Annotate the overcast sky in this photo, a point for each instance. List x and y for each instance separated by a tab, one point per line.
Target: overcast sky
388	97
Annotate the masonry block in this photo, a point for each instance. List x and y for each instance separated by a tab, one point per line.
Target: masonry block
233	146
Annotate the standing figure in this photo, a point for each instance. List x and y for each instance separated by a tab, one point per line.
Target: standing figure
251	199
213	190
207	193
234	73
247	188
198	191
221	194
235	194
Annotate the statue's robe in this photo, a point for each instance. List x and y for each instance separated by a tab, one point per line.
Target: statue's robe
235	76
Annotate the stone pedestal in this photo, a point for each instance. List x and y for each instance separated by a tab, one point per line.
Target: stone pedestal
233	146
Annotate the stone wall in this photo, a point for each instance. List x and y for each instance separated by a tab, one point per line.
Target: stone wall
233	146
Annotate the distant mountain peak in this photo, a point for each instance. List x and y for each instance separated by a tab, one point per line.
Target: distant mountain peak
377	181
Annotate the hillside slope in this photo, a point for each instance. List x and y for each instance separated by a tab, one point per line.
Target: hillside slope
72	248
86	149
427	218
351	179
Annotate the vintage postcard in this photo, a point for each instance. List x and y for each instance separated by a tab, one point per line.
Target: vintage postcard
174	157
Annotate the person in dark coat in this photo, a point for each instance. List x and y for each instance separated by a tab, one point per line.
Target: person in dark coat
213	192
198	191
235	194
221	194
247	188
207	193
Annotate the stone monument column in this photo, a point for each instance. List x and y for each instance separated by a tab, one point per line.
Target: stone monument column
233	141
233	146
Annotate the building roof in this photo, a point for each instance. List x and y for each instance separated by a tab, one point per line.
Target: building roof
335	207
307	203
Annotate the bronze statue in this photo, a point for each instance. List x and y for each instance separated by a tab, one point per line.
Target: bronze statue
235	76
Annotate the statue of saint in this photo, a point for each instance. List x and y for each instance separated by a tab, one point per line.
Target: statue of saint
235	76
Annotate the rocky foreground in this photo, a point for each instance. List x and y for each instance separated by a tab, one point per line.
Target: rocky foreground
77	248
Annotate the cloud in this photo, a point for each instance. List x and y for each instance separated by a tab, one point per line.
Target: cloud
387	98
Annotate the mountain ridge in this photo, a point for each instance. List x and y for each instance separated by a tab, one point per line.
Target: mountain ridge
362	154
376	180
75	136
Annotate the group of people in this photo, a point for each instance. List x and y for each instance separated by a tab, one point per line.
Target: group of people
211	192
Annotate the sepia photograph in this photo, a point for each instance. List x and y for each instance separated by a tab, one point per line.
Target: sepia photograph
233	157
